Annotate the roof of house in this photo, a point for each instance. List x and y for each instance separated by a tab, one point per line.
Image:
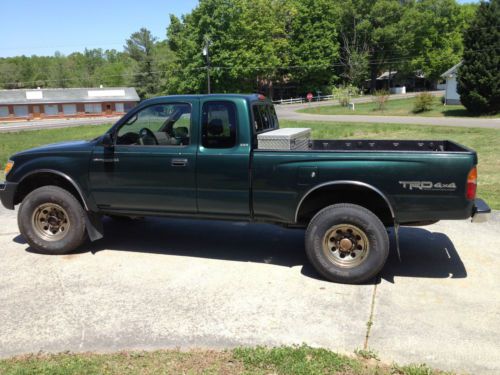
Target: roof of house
385	75
452	71
71	95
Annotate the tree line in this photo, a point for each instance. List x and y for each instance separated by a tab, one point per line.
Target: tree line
290	46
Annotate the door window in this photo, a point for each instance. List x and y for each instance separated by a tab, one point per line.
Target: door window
219	124
158	125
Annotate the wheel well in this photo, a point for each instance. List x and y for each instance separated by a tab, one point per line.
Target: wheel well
37	180
360	195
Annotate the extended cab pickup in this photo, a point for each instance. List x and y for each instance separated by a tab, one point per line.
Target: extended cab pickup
198	157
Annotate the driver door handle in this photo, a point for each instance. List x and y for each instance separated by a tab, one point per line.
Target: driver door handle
106	160
179	162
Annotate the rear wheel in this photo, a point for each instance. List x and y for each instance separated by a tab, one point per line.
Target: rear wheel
52	220
347	243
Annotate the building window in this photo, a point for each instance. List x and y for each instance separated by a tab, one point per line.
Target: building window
21	111
119	107
51	109
69	109
93	108
4	111
129	106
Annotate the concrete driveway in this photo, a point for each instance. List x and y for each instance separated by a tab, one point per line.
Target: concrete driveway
161	283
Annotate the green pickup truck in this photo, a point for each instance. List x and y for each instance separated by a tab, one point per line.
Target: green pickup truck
198	157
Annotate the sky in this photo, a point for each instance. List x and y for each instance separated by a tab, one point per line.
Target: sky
42	27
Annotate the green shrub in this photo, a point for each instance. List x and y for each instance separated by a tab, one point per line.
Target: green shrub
345	93
380	98
423	102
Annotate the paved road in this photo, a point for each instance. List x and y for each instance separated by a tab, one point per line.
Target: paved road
289	112
54	123
161	283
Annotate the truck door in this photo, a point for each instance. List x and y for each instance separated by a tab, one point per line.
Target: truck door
152	165
223	161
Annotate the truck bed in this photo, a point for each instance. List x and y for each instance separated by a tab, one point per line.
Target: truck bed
386	145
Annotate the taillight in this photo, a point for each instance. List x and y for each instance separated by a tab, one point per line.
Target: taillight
471	184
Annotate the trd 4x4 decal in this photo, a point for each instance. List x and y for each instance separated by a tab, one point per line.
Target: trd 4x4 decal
428	185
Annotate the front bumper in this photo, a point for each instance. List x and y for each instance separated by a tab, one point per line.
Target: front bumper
481	211
7	192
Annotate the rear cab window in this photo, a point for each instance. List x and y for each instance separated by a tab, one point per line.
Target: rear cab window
263	119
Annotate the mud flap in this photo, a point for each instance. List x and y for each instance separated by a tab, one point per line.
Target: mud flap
396	237
95	229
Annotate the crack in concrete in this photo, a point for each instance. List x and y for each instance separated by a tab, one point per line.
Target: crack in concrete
74	311
369	323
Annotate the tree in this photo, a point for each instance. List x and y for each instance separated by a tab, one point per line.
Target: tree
314	44
247	42
479	74
59	74
354	56
83	67
255	45
432	36
10	75
376	25
140	47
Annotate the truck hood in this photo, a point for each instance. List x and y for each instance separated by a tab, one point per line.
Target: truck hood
68	146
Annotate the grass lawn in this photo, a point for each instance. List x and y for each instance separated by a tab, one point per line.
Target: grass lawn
301	360
394	107
485	141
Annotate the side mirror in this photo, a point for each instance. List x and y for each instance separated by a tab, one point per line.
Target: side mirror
107	140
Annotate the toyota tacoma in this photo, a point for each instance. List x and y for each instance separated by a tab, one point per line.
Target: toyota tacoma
199	156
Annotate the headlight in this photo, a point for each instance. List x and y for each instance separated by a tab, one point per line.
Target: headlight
8	167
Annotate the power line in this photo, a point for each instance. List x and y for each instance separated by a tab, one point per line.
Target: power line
98	44
395	60
62	46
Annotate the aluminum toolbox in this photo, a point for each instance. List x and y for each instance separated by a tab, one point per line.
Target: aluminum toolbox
285	139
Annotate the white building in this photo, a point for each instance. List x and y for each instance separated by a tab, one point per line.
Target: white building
70	102
451	95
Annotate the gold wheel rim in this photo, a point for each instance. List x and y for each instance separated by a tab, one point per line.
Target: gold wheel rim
50	222
346	245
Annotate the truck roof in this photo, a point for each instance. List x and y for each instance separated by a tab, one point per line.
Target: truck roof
249	97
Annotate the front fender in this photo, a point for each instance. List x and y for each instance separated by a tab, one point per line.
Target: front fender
73	168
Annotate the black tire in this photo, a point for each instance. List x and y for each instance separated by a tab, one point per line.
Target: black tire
334	223
59	209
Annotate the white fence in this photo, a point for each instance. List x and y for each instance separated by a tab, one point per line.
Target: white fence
318	98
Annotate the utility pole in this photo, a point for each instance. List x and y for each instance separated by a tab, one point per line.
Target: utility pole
206	53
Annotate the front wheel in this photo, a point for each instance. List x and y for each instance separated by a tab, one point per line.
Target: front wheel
52	220
347	243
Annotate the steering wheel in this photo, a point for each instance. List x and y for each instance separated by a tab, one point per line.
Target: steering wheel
147	133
